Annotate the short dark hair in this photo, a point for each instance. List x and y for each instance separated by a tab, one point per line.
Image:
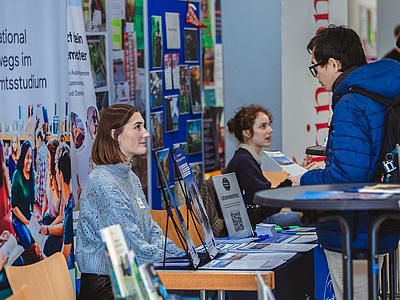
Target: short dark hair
397	31
39	133
63	160
340	43
244	119
26	145
105	149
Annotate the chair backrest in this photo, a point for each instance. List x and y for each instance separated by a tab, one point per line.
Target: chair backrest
160	217
275	177
48	279
23	293
192	230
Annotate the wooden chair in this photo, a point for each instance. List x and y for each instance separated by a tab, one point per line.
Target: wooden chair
160	217
48	279
275	177
24	293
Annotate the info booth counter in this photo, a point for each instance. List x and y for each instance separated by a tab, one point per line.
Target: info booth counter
293	280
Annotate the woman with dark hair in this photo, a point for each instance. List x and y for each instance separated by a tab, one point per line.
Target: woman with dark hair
113	195
251	127
52	209
22	195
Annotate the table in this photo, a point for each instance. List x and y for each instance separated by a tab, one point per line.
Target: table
324	210
289	280
204	280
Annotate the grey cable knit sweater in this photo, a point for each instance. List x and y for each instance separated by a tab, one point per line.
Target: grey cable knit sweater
113	195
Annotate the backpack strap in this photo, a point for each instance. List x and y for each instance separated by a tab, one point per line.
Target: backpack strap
374	96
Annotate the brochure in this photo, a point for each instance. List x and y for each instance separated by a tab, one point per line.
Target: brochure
152	283
232	205
12	249
293	238
246	261
285	163
276	247
339	195
228	240
265	229
381	188
122	266
39	238
222	248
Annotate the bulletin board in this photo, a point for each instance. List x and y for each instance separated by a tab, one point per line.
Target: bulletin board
175	111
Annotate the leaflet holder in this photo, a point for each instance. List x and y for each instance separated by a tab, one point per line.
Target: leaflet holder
190	212
169	215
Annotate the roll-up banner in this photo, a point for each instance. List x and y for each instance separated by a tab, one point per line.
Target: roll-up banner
305	104
47	114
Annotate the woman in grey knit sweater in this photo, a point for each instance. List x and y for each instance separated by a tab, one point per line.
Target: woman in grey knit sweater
113	195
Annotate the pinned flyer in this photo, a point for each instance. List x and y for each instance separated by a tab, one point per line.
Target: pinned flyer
191	17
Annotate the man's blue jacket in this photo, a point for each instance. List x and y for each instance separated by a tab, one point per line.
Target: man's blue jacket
354	147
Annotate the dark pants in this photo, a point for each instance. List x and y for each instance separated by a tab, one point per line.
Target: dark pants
96	287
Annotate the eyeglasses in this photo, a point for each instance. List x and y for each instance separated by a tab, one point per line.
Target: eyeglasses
313	69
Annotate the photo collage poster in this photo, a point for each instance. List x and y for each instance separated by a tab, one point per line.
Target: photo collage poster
175	91
51	110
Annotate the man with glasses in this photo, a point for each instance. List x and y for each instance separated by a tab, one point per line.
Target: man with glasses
339	63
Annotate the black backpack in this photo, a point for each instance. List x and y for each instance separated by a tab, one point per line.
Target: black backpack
388	163
387	170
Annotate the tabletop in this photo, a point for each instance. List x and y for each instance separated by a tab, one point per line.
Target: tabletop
284	197
214	280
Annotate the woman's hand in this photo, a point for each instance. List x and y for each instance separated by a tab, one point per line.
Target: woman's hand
295	179
307	162
3	259
4	237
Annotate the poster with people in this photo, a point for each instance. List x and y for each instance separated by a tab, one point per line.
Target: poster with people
30	118
41	162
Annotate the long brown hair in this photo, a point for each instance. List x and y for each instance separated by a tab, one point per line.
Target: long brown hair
105	149
15	155
52	146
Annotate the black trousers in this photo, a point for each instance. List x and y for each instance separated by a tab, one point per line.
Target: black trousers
96	287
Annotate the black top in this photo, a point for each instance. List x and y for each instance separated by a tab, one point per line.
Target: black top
251	178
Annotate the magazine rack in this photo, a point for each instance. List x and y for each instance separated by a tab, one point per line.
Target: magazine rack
190	212
169	216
